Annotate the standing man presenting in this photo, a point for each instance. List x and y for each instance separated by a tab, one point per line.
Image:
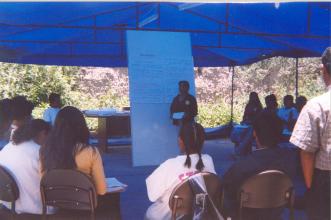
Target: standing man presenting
54	107
184	104
312	134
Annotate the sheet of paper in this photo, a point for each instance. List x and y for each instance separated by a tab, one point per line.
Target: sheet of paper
178	115
113	182
114	185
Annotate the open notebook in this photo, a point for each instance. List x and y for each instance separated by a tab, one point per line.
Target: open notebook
113	185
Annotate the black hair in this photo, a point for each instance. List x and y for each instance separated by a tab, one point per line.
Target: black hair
268	128
193	136
184	82
326	59
21	108
53	96
271	101
30	130
254	100
288	98
300	102
69	131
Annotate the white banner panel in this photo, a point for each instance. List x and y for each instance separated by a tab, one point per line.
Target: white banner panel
157	61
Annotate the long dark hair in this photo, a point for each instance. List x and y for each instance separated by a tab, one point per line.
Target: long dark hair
69	131
30	131
193	136
255	100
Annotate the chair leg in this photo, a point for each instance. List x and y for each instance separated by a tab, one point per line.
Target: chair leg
13	213
12	216
291	203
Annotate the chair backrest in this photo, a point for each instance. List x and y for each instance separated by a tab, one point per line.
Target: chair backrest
9	191
184	194
268	189
68	189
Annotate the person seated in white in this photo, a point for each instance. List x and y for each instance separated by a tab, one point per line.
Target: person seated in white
170	173
288	114
21	158
51	112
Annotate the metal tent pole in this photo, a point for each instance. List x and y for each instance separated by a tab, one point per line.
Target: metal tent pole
232	92
296	77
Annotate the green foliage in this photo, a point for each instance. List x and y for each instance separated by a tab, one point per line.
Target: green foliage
36	82
212	115
276	75
93	88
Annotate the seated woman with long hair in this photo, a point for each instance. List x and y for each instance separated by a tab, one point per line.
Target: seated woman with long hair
21	158
252	109
170	173
67	148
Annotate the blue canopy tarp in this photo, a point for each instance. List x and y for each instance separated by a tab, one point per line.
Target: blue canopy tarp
222	34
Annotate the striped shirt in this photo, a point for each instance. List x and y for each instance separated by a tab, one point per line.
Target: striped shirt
312	131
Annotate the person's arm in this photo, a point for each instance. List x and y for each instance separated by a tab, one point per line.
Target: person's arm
194	107
305	136
307	163
293	116
98	174
172	107
46	116
156	182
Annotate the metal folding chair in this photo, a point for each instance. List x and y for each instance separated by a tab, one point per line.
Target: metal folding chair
266	190
184	197
69	190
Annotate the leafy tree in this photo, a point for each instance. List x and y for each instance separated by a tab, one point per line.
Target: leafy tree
36	82
90	88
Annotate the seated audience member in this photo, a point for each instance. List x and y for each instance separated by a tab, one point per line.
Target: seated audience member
170	173
252	109
271	103
67	148
245	142
5	121
21	158
288	114
300	101
55	105
267	130
21	112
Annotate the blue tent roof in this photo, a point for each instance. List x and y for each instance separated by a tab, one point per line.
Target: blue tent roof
223	34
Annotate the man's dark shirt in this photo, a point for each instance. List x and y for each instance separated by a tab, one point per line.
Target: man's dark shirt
188	105
260	160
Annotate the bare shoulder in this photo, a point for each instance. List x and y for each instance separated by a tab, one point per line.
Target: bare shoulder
84	149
